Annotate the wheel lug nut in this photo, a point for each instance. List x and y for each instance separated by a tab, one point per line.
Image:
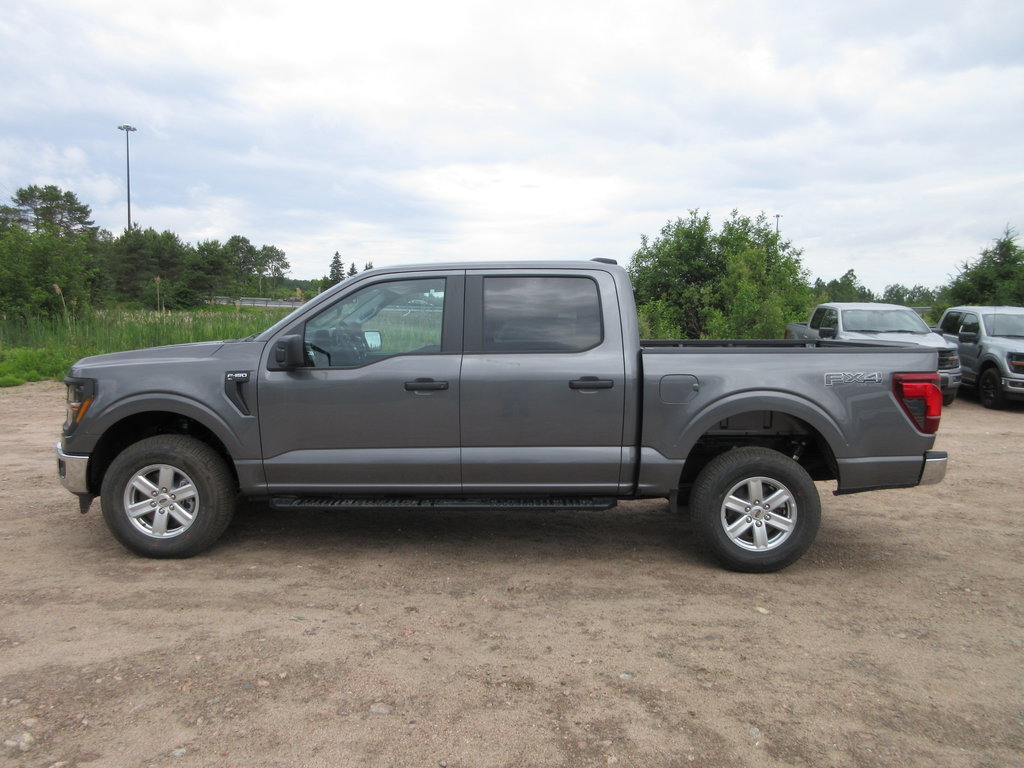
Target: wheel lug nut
767	518
758	523
750	519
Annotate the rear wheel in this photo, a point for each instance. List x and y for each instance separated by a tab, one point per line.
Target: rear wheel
168	496
755	509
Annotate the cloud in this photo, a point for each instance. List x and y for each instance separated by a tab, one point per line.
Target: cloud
885	134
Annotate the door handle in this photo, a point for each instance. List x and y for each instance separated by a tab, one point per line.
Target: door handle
591	382
425	385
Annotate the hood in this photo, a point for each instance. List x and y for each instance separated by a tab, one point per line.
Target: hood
175	353
932	340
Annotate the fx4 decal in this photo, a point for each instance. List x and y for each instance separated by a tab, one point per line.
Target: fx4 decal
852	377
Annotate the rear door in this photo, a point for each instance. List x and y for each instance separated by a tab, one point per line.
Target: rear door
543	384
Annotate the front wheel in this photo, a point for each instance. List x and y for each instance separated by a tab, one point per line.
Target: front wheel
990	389
755	509
168	496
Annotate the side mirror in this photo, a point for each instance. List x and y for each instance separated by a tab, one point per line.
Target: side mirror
967	337
287	353
827	333
374	340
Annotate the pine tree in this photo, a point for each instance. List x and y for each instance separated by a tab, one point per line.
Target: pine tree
337	273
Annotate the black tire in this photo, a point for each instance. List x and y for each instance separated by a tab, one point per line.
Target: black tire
168	496
990	389
762	537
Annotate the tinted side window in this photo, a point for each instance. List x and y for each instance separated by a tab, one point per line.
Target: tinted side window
816	318
831	319
400	317
541	314
951	322
970	324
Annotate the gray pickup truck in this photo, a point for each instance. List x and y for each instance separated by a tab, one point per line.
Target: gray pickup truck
484	386
991	348
862	321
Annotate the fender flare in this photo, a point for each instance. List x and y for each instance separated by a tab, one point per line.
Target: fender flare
762	400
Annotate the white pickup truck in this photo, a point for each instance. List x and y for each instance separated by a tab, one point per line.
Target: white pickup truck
872	321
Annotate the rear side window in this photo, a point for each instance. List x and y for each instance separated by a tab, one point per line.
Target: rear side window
541	314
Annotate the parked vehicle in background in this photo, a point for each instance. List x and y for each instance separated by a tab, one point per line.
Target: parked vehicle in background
991	345
860	321
495	386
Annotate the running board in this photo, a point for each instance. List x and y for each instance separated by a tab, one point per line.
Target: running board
441	504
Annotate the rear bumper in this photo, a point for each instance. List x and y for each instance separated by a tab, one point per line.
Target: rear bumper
876	472
934	468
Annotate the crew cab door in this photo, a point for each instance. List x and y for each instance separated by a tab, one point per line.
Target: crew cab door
970	351
543	384
374	407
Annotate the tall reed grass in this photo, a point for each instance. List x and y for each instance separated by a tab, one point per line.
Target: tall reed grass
44	348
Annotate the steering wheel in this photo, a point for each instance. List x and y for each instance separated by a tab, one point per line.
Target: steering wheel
351	346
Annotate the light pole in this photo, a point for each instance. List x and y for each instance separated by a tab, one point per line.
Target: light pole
128	167
777	217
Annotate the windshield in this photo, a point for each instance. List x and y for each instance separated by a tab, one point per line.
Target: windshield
1005	325
884	321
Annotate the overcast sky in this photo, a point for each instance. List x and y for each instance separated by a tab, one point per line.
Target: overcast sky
888	135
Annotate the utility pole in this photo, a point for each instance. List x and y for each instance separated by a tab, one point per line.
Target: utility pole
777	217
128	167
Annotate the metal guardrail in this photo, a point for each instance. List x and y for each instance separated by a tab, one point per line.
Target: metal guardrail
252	301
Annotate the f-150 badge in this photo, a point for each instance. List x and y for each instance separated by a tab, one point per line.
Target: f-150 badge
852	377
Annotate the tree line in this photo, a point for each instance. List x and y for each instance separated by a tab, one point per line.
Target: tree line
54	259
744	281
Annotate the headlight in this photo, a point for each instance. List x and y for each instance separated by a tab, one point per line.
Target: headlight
1015	360
80	396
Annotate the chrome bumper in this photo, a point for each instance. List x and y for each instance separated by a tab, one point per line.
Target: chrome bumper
73	471
934	467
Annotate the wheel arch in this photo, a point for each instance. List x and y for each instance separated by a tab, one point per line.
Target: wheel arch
794	427
138	420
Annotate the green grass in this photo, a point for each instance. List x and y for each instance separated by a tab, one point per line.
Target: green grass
44	348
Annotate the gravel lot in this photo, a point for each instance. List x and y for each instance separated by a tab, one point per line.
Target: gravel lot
567	639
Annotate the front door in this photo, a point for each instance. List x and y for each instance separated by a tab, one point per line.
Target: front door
376	407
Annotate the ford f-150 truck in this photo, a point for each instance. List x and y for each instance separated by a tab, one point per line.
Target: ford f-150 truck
991	346
860	321
484	386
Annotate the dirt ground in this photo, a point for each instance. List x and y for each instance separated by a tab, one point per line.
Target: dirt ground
567	639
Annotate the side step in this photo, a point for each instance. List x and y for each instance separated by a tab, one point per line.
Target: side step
442	504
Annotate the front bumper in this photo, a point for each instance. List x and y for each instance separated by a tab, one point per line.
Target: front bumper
934	467
73	471
1013	388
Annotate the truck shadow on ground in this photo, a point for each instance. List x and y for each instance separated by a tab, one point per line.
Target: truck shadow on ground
634	531
637	527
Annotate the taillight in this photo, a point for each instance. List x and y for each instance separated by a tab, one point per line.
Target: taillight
921	399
